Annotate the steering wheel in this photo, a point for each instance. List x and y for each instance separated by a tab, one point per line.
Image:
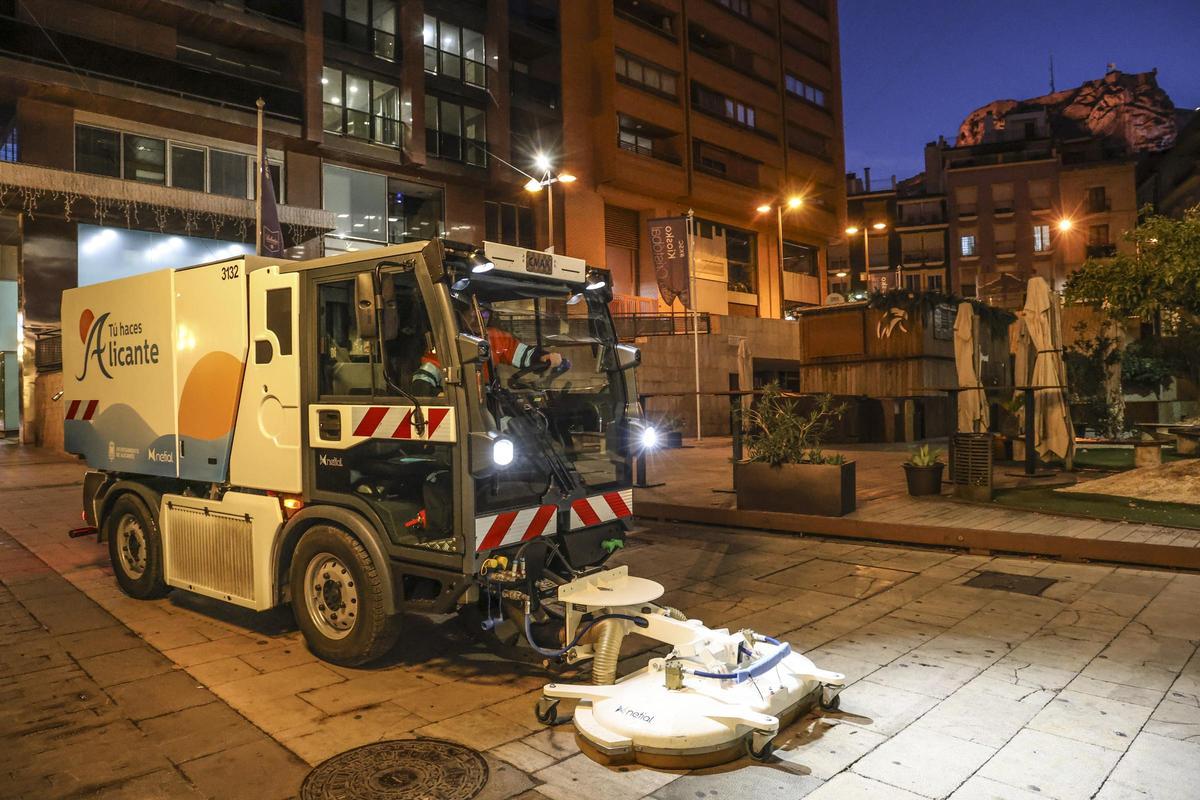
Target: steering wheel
543	371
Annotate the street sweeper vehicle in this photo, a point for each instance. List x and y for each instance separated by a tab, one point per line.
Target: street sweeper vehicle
421	427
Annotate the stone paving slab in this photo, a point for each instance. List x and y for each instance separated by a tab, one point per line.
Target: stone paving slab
1088	690
97	712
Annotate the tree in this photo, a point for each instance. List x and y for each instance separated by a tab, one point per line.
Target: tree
1158	282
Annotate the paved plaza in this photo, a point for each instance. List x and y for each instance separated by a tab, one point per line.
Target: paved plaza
1090	690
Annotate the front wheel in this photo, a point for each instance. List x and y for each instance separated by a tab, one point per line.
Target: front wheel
338	598
135	548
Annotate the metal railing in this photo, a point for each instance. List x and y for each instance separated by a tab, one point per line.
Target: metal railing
47	351
631	326
625	305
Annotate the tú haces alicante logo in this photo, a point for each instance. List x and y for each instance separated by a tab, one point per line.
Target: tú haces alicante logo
112	344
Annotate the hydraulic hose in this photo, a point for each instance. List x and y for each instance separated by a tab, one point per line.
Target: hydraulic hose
584	628
607	653
782	650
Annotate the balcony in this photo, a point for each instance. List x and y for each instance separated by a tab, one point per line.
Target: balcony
916	258
105	62
652	151
543	95
285	11
967	210
1005	248
1098	206
532	17
914	219
1003	208
647	15
1101	250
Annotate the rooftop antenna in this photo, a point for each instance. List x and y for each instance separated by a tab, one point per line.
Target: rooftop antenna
1052	89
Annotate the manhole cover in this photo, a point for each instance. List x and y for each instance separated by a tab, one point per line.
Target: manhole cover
1022	584
406	769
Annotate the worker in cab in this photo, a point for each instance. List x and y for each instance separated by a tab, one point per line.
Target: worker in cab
505	349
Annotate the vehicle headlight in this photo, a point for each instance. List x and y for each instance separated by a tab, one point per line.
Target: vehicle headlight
649	438
503	452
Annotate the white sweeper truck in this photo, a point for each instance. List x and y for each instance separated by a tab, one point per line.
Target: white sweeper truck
422	427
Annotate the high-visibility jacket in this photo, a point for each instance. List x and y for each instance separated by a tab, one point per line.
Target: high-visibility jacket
506	349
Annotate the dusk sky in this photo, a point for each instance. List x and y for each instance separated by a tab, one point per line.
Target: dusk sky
912	70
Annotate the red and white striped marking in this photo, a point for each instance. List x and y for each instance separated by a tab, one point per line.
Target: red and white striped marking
395	422
82	409
511	527
599	508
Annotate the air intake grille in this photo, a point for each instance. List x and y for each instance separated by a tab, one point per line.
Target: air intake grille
208	550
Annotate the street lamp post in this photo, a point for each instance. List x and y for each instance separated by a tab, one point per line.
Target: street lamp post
547	181
851	231
792	203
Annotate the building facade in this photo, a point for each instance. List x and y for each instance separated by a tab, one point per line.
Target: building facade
721	107
128	129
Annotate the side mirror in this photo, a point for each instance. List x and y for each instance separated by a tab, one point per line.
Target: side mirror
627	356
364	305
472	349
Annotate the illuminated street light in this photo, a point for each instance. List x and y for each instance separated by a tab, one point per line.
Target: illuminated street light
542	162
879	226
1065	224
792	203
851	231
533	185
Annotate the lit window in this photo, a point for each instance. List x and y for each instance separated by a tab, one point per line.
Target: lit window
362	108
805	90
454	52
1041	238
968	245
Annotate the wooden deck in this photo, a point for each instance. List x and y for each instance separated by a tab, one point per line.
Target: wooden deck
698	488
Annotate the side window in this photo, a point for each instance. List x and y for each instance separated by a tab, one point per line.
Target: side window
408	342
350	364
345	357
279	317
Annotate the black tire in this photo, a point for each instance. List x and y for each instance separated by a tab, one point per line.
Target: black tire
135	548
765	754
549	716
371	631
832	705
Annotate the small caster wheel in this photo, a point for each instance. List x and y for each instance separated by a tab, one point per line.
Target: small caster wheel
828	702
546	711
762	753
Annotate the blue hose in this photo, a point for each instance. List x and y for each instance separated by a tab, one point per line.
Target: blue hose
584	628
755	670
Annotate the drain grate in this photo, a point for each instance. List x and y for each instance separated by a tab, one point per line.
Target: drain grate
406	769
1022	584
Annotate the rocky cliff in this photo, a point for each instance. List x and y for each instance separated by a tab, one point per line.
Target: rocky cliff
1128	107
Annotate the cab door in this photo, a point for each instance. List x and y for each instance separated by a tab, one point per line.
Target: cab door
266	445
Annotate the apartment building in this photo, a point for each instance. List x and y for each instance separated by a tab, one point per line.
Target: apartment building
721	107
128	127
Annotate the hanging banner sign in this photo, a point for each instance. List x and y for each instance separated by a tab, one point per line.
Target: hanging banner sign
669	250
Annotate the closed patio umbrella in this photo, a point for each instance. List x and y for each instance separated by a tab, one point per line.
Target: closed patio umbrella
972	404
1052	414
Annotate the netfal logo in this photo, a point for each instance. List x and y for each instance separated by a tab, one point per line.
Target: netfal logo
113	344
633	713
161	456
330	461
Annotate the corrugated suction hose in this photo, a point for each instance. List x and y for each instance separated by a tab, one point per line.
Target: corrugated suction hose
607	652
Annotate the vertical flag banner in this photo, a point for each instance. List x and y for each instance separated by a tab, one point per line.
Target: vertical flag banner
271	233
669	251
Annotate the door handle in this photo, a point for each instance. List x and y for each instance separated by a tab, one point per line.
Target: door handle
329	425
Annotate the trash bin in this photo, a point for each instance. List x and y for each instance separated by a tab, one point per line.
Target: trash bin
971	465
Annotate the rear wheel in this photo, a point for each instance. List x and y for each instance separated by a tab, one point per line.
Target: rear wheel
338	598
135	548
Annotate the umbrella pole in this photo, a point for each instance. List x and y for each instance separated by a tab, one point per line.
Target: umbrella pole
1030	448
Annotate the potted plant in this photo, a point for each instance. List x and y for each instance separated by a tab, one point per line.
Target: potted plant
785	469
923	470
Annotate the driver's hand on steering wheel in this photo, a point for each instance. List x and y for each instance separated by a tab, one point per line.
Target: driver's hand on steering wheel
554	360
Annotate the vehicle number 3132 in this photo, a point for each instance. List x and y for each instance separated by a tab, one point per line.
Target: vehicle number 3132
229	273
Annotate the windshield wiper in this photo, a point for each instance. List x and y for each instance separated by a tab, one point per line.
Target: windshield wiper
529	430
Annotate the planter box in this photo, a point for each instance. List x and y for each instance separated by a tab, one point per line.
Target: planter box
924	481
673	440
825	489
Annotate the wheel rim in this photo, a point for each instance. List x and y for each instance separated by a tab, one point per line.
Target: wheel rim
330	595
131	546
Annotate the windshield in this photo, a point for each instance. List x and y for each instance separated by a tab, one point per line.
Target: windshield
552	384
